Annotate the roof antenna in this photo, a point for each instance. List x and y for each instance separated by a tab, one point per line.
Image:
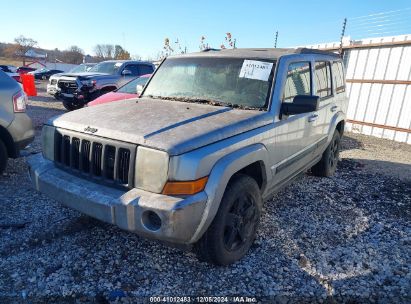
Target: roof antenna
340	51
275	41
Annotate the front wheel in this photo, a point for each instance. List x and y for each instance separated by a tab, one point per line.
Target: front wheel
72	105
328	164
233	229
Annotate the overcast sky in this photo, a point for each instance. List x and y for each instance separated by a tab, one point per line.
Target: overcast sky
141	26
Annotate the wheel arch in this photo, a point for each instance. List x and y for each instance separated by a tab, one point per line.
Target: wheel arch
251	160
8	141
336	123
108	88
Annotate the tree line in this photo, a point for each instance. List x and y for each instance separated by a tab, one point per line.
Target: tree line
73	54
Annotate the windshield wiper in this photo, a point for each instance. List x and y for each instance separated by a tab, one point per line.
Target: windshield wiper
210	101
153	96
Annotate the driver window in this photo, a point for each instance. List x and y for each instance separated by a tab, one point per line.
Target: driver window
133	68
298	81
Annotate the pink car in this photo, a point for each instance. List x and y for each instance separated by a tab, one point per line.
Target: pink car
131	89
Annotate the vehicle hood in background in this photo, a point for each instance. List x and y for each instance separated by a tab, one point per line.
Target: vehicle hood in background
175	127
83	74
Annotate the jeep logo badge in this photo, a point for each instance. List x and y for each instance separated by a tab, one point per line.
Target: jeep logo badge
90	129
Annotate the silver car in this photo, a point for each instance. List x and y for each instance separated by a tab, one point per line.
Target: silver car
213	135
16	128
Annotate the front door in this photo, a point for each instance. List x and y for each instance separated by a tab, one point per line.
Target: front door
294	139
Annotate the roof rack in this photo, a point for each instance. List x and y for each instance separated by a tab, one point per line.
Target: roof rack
315	51
208	50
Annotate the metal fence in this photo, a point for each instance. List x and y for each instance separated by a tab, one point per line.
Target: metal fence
378	73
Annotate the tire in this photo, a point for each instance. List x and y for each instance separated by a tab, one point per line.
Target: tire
233	229
3	157
72	105
328	164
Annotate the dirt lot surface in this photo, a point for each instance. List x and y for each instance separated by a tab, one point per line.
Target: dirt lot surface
345	238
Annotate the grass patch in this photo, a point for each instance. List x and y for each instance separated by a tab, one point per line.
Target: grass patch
11	61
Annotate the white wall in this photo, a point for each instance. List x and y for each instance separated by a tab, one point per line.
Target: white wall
378	103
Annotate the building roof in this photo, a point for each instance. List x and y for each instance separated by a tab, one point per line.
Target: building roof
262	53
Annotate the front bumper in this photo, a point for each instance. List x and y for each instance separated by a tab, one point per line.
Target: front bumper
180	217
82	93
52	89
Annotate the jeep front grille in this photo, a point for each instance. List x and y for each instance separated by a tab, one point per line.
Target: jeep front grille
94	157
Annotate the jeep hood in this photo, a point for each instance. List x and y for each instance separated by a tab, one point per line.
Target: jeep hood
175	127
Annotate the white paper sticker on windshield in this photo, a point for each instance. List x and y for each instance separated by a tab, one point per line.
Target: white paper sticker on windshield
118	64
258	70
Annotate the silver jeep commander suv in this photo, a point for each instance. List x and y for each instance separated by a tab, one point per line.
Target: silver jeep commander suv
213	135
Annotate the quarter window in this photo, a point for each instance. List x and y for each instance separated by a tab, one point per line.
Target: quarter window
298	81
338	76
323	79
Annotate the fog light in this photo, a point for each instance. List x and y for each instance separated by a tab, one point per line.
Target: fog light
151	220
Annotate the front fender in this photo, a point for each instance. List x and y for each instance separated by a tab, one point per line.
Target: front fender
220	175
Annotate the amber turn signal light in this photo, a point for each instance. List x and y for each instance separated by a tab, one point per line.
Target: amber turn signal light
185	188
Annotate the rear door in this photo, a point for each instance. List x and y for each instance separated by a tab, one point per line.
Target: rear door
320	120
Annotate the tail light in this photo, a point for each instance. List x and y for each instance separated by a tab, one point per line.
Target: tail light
19	102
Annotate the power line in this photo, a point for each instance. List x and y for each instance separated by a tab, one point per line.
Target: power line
381	13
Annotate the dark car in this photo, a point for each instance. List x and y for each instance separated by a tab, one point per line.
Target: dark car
44	73
24	70
8	68
77	89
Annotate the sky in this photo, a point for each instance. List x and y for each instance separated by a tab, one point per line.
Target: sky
141	26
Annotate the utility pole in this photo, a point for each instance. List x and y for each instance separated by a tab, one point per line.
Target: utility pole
342	36
275	40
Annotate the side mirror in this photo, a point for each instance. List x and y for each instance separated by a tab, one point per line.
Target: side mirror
126	72
301	104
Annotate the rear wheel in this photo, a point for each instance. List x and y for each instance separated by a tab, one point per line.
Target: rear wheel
73	104
3	157
329	160
233	229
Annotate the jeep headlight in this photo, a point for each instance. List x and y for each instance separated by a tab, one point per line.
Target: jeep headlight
151	169
47	141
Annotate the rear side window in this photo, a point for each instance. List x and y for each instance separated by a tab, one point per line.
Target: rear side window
338	74
146	69
298	81
322	77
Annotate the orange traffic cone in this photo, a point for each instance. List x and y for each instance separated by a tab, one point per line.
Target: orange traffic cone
29	86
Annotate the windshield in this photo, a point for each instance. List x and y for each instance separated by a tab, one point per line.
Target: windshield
235	82
131	87
106	67
80	68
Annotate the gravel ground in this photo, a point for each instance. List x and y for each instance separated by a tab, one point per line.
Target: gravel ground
340	239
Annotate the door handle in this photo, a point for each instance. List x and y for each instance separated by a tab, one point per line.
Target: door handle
312	118
334	108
